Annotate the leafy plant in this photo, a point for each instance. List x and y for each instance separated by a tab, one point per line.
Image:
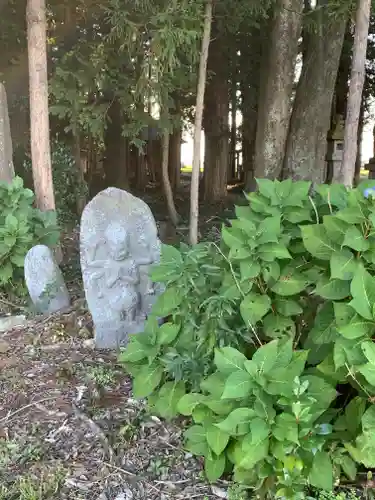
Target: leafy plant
21	227
283	394
68	184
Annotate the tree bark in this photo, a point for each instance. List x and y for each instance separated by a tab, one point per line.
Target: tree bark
232	173
310	121
216	121
166	182
194	188
39	117
357	81
175	158
277	80
116	154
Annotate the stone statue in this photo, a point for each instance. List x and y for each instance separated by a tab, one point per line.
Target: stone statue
118	244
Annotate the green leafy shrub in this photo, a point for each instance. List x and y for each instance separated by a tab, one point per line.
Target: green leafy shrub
21	227
284	387
68	184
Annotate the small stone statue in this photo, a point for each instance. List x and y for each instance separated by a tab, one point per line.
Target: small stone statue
118	244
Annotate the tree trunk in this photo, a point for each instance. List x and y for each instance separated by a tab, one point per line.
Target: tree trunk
39	117
116	154
358	161
166	182
250	62
81	199
175	158
194	188
232	174
277	80
310	120
357	80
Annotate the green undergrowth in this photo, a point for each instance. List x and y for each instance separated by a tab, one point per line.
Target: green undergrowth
21	227
267	345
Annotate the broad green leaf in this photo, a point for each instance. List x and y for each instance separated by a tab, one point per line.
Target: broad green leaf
271	251
368	419
214	467
368	371
168	302
228	360
333	194
354	413
196	441
255	454
214	384
363	292
321	474
324	330
298	193
349	467
290	284
317	241
135	351
354	239
220	406
369	351
276	325
238	385
271	272
343	265
336	228
332	289
344	313
188	402
237	422
146	380
269	230
288	307
352	215
249	269
265	357
170	255
168	333
253	307
169	396
267	188
321	390
357	327
217	439
240	252
286	428
281	378
202	415
233	237
245	225
297	215
11	223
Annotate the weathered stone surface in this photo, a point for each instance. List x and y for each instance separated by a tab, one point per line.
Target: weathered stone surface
118	244
6	148
45	281
9	322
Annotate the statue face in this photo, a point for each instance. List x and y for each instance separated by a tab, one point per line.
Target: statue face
118	241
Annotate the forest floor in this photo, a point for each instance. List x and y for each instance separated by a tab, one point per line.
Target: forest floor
69	427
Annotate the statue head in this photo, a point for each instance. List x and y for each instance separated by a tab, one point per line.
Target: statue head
117	238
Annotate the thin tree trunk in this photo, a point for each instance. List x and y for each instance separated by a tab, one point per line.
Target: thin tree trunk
232	174
357	81
194	188
358	161
276	88
166	182
39	117
310	121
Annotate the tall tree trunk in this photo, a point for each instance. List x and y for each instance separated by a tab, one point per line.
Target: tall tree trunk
39	117
175	158
6	149
116	154
250	62
166	182
277	80
310	120
216	122
358	161
202	75
233	128
357	81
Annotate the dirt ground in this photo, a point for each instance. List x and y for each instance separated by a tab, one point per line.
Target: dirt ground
69	427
